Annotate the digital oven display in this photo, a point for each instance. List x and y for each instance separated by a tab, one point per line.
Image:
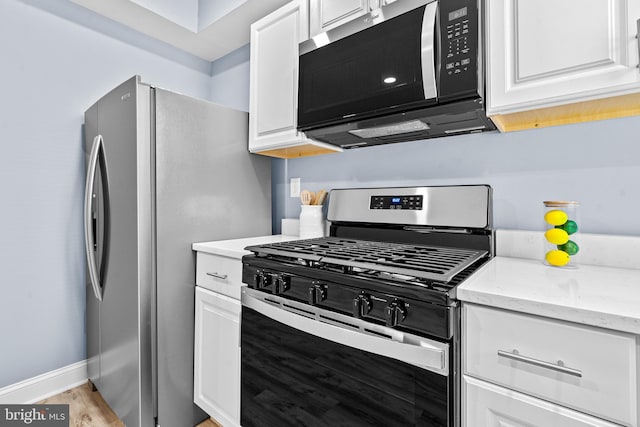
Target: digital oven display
412	202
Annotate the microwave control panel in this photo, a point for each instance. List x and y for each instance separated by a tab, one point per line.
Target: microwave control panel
457	59
459	40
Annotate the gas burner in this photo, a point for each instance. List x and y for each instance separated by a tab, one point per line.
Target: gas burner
412	260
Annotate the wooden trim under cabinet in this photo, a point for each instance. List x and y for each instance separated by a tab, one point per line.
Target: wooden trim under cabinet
302	150
586	111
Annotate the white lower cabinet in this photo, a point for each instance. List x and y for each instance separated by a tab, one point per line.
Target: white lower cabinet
217	356
489	405
526	370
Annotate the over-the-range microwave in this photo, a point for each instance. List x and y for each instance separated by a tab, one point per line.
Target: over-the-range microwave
410	70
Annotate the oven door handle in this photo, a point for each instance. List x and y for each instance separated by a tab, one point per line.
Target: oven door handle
412	349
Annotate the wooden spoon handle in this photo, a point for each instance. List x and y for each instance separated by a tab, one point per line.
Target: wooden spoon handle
305	197
320	197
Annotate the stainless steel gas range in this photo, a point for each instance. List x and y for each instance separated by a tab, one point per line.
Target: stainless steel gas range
362	328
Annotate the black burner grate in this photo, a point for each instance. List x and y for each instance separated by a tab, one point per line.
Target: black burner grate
428	262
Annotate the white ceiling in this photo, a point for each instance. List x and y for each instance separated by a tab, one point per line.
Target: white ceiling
208	29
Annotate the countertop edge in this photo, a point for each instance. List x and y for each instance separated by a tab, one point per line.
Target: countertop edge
234	248
567	313
493	285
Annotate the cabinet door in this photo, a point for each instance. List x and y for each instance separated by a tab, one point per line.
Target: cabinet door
546	52
488	405
217	356
327	14
274	76
588	369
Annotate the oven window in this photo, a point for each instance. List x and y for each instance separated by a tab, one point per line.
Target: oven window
291	378
367	72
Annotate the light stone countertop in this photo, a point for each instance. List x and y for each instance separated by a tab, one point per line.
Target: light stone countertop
606	295
597	295
234	248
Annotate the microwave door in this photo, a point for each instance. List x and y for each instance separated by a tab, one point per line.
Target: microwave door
371	72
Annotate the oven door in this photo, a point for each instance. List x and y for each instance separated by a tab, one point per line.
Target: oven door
303	366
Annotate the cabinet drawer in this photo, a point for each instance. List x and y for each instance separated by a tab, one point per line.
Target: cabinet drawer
489	405
219	274
585	368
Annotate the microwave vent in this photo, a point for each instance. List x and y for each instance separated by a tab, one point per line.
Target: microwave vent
390	130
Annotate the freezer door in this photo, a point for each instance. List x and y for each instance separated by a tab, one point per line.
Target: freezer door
94	226
208	187
124	335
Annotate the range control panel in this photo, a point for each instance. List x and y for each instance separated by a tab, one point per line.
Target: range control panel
413	202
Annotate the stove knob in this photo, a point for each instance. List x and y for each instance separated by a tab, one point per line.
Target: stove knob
362	305
282	284
257	280
317	293
261	279
395	313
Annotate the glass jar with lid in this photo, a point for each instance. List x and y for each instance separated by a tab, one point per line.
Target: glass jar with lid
561	237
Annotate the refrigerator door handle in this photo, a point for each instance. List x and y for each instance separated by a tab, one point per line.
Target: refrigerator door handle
96	158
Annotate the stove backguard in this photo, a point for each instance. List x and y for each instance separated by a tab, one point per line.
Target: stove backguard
460	207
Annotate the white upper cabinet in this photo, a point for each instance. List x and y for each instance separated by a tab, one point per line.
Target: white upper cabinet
546	53
327	14
273	99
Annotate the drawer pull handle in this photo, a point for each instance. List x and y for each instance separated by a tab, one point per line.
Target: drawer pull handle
218	275
559	366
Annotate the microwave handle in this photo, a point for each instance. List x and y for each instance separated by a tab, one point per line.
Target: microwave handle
428	50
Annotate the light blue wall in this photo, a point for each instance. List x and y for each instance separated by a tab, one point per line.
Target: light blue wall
51	70
596	163
230	79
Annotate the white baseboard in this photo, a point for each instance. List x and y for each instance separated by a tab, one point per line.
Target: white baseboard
46	385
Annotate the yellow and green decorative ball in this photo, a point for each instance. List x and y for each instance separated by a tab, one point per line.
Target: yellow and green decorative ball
556	217
557	258
556	236
570	226
570	247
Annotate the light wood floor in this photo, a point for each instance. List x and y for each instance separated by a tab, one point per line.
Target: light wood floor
88	409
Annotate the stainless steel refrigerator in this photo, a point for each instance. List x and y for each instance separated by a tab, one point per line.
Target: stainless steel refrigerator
163	171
